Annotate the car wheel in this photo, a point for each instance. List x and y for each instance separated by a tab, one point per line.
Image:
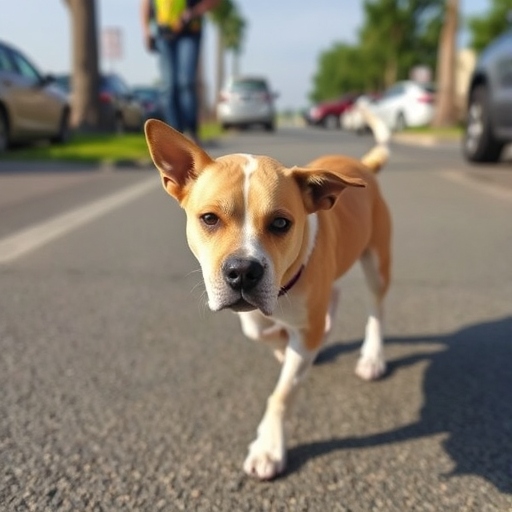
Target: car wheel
64	133
4	132
270	127
332	122
400	123
479	143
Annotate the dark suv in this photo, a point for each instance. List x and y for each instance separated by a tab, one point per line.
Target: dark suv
489	117
122	110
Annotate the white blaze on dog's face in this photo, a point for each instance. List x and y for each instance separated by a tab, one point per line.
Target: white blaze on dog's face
246	226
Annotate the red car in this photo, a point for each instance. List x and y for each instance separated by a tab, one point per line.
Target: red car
327	114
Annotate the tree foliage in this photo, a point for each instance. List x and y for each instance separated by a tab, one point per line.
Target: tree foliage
396	36
341	69
484	29
231	28
399	34
228	19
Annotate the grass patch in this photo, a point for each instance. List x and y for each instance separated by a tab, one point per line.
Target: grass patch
96	148
448	132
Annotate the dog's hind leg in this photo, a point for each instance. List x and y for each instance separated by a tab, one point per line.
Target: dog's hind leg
372	364
333	308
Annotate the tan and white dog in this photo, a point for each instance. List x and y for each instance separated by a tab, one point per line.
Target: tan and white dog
272	243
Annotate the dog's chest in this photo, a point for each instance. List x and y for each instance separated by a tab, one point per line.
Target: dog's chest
291	311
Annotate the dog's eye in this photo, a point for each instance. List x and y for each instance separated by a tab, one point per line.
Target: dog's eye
210	219
280	225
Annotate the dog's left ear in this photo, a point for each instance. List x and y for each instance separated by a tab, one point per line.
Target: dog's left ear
177	158
322	188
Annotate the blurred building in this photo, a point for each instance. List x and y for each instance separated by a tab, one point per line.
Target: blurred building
466	61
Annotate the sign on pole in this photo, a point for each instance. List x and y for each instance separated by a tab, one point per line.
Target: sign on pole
112	44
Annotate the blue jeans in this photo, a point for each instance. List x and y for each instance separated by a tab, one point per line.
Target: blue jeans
179	58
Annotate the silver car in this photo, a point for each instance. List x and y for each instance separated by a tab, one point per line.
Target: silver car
489	116
246	101
31	105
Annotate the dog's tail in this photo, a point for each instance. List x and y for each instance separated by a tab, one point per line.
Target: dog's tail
378	156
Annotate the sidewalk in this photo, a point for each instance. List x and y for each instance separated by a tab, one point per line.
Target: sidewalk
425	140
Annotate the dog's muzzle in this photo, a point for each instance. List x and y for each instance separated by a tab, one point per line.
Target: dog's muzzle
242	276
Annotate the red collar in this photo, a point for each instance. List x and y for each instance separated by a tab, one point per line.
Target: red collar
287	287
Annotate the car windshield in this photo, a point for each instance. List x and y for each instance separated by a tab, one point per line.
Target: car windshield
114	83
249	85
146	94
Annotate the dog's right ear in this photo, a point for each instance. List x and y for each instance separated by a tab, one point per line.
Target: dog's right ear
177	158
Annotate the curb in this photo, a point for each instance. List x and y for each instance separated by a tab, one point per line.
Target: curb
424	140
66	166
129	165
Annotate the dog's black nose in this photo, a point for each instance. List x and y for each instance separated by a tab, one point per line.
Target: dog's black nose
242	273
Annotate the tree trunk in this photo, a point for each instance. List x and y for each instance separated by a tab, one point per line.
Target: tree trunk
85	103
445	110
205	112
391	72
236	62
220	71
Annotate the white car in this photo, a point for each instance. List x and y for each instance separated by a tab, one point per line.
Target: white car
352	119
246	101
406	104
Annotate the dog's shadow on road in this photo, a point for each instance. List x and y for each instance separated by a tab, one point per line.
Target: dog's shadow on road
468	395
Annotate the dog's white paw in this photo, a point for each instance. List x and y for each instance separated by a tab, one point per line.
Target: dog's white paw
267	454
370	368
264	462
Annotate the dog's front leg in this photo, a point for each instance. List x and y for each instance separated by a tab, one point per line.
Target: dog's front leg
267	453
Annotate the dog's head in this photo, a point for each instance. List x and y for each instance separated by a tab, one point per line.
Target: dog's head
246	216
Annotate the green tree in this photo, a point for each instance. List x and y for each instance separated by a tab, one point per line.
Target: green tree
340	70
230	32
484	29
233	34
396	36
399	34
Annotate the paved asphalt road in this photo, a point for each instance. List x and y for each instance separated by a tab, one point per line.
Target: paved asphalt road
121	391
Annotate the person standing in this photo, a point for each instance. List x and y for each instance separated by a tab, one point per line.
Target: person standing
173	28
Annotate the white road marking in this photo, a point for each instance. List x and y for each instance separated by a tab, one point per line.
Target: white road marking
482	186
22	242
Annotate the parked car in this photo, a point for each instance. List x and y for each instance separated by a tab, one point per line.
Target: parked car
327	114
352	119
121	108
151	100
31	106
406	104
489	116
246	101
